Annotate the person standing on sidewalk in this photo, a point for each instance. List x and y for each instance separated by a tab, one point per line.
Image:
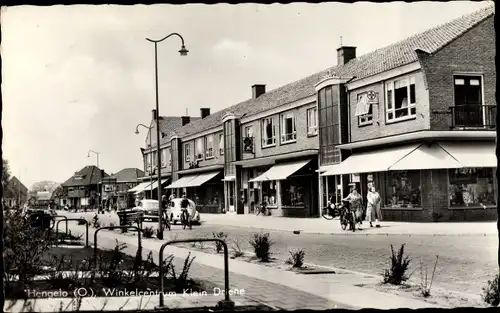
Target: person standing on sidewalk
356	205
373	207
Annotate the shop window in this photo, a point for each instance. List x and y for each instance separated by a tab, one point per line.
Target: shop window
401	99
199	149
404	189
209	146
471	187
269	192
292	193
288	129
268	132
312	121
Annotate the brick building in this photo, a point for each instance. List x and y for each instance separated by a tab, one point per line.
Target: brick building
83	189
416	118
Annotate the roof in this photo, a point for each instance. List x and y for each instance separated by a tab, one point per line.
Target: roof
128	175
378	61
89	175
168	124
15	186
43	195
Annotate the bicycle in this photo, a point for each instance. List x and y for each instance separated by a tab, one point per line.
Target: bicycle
262	209
331	211
347	216
185	220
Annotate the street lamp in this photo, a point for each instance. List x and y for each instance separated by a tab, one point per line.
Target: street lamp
183	52
99	191
150	146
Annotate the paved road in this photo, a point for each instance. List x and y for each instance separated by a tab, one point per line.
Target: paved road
465	262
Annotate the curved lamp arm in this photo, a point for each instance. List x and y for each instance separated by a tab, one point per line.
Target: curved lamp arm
183	50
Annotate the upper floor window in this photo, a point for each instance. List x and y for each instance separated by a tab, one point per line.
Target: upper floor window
198	148
169	157
312	121
209	146
163	157
364	110
221	144
401	99
268	132
249	131
187	152
288	130
154	159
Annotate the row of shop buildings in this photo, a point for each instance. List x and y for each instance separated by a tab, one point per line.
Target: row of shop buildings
417	119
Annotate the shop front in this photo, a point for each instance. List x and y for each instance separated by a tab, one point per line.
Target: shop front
427	181
288	187
206	189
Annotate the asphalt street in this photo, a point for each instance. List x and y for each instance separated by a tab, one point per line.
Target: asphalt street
465	262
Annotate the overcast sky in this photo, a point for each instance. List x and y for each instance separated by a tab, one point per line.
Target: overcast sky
82	77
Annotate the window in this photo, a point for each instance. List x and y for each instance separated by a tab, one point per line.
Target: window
403	189
401	99
209	145
198	148
468	110
169	157
221	144
187	152
288	130
293	192
163	157
154	160
268	132
249	131
364	110
149	161
312	121
471	187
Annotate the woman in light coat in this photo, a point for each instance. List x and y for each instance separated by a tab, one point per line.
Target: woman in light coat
373	212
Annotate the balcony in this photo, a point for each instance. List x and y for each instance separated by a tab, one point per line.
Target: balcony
473	116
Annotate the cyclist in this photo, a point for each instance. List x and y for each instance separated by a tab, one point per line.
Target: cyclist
188	204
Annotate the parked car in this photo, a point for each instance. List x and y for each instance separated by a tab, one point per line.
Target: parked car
149	209
174	211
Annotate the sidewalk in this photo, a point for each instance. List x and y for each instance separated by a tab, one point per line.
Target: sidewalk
323	226
277	288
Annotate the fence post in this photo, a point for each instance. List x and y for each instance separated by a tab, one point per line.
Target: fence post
114	227
65	218
74	219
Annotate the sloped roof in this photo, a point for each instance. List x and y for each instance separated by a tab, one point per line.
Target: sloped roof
15	186
90	175
128	175
378	61
168	124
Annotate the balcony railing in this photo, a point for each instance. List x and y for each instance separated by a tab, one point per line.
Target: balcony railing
473	116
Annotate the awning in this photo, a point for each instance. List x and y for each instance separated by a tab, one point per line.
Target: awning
280	171
140	187
201	179
473	154
371	161
182	182
155	184
427	156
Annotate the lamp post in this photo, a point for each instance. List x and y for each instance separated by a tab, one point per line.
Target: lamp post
183	52
99	193
150	146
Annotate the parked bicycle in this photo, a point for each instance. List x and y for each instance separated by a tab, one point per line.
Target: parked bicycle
262	209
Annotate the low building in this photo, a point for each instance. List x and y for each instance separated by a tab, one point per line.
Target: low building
82	190
117	186
15	193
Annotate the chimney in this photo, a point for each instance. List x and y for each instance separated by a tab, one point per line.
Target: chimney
185	120
345	54
205	112
258	90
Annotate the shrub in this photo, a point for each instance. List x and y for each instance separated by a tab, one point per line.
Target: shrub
109	267
112	225
24	248
400	264
81	221
218	245
148	232
425	285
181	281
491	293
237	251
262	246
296	258
95	222
158	233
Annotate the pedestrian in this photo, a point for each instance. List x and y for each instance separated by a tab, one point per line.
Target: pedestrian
373	211
356	205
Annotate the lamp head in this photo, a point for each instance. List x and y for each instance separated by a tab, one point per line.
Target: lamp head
137	132
183	51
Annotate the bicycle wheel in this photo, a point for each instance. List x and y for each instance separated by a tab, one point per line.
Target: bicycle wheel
184	219
343	221
353	221
326	214
257	210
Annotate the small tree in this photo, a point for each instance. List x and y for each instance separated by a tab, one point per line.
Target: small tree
400	264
